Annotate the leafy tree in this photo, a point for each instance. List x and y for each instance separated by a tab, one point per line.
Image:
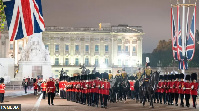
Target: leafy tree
2	15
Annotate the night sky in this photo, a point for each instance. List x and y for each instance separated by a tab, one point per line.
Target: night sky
152	15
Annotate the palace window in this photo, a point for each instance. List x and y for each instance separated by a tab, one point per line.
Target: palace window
66	61
96	62
86	48
106	61
56	47
76	47
119	48
119	62
86	61
134	49
96	48
47	47
56	61
106	48
76	62
11	46
126	48
66	47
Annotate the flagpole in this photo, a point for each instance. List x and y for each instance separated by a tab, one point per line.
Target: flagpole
183	34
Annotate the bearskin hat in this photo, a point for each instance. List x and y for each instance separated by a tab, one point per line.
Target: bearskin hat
161	77
34	80
105	75
187	77
172	76
193	76
165	77
2	80
177	76
181	76
97	74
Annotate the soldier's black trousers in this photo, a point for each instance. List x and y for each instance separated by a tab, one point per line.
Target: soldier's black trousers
61	93
50	96
171	97
77	96
160	95
25	87
101	99
96	96
44	94
84	98
182	97
194	99
187	97
105	100
74	96
156	97
92	98
1	97
35	91
125	94
164	97
132	94
176	98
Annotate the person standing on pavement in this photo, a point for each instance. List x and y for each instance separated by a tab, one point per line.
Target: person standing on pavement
35	85
106	89
187	89
26	85
2	90
50	90
44	86
194	88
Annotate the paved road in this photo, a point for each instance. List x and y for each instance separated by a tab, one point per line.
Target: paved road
32	103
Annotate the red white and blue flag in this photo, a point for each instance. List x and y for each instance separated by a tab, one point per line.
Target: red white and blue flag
190	41
173	34
24	17
183	64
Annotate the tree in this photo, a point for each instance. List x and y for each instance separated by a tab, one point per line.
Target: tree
2	15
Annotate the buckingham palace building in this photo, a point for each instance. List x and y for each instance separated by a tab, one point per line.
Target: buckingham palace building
107	47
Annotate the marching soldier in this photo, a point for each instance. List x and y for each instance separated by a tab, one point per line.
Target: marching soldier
176	84
35	86
172	88
106	87
57	87
181	91
2	90
101	90
97	87
93	89
81	89
110	75
50	90
61	87
132	90
194	87
165	89
84	89
187	90
124	74
160	86
77	88
44	86
72	90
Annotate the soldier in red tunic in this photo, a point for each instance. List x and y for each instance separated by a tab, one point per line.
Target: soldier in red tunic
176	84
2	90
50	90
132	89
84	89
160	87
88	89
35	86
172	88
77	88
187	89
93	89
96	89
165	89
44	88
106	89
180	89
194	87
101	90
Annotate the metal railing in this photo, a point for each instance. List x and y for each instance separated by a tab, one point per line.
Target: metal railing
14	87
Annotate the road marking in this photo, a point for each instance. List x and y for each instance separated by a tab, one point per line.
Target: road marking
37	104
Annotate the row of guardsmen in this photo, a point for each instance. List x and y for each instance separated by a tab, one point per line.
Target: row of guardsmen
171	87
86	89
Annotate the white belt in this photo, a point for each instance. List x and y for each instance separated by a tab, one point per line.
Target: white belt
2	89
50	87
187	88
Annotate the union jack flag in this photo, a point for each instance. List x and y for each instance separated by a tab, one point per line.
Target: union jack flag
183	64
173	34
190	42
24	17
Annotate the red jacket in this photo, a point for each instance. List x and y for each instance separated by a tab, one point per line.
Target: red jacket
35	85
180	88
51	87
106	88
187	87
101	85
160	86
44	86
172	87
132	85
97	84
92	86
194	87
84	87
176	84
2	88
164	87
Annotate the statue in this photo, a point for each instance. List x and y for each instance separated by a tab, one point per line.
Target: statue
83	69
94	71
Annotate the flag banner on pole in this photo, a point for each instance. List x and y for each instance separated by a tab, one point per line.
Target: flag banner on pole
178	51
190	41
24	17
173	34
183	65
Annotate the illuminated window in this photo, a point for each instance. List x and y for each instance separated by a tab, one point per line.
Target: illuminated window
106	48
106	61
66	47
86	48
66	61
86	61
77	48
56	61
76	61
119	48
96	62
134	49
56	47
96	48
